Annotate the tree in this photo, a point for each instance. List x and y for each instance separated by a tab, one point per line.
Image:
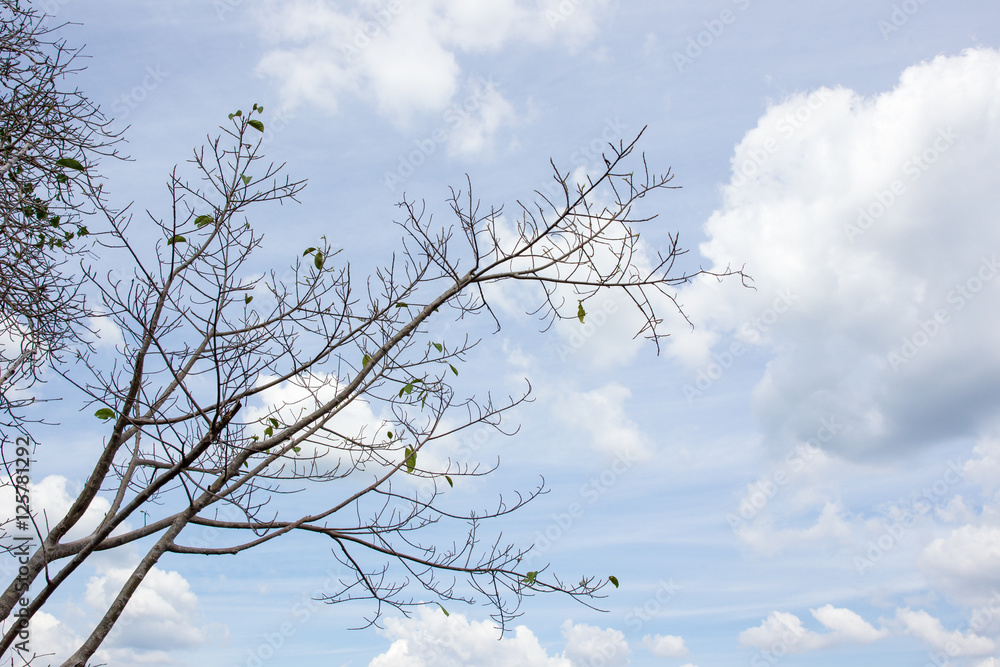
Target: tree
194	437
50	139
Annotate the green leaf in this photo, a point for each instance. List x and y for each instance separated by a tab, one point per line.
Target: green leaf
411	460
296	449
62	178
613	580
105	414
366	360
82	232
308	250
389	433
247	299
402	305
318	260
203	220
453	369
580	312
438	347
70	163
176	238
246	179
274	422
269	431
443	609
450	483
256	124
529	578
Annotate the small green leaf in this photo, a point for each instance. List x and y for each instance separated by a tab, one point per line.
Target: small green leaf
247	299
438	347
269	431
274	422
176	238
366	360
450	483
613	580
246	179
318	260
70	163
411	460
389	433
402	305
529	578
62	178
105	414
443	609
296	449
453	369
308	250
580	312
203	220
256	124
82	232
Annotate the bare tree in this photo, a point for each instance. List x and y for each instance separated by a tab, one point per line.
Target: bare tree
194	438
50	139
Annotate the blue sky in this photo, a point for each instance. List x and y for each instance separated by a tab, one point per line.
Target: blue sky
808	477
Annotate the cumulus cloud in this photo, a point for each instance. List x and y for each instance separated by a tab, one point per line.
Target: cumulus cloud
161	615
665	646
601	415
966	563
431	638
786	631
403	57
928	629
51	498
869	226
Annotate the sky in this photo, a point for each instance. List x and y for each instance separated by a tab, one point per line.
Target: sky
810	476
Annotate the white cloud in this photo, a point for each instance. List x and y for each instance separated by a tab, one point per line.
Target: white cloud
587	645
161	615
51	499
601	415
786	631
403	57
665	646
928	629
290	400
966	563
432	639
886	323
